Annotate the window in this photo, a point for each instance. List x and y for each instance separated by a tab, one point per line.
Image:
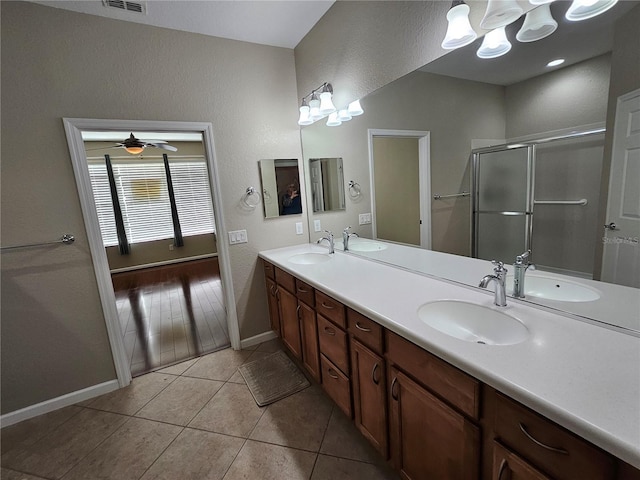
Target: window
144	198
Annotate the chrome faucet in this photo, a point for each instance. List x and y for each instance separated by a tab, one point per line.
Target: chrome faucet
328	238
499	277
520	267
345	238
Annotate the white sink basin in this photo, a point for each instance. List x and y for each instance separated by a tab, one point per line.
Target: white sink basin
366	246
473	323
309	258
550	288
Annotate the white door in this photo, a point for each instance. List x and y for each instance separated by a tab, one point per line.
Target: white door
621	257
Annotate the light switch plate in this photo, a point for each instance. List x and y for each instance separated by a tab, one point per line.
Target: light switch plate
237	236
364	218
316	226
299	228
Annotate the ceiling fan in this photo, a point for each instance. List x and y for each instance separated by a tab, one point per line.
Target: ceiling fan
135	146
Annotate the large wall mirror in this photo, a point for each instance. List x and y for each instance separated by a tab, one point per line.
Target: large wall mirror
280	181
466	103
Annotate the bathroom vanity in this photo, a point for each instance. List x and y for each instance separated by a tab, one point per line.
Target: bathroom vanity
543	395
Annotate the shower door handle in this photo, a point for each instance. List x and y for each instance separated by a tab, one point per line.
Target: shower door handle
611	226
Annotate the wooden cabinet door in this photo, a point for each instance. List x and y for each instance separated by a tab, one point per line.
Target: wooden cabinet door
509	466
309	334
428	438
368	379
289	323
274	309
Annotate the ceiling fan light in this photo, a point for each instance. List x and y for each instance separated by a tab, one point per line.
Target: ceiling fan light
333	120
355	109
538	24
326	105
584	9
134	150
459	32
494	44
500	13
305	118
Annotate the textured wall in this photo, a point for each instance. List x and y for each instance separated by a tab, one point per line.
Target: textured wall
61	64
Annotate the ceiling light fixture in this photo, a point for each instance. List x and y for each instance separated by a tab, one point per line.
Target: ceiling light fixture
538	24
318	104
494	44
459	32
134	150
584	9
500	13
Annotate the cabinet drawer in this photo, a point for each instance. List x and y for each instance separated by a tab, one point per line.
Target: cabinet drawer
285	279
269	270
336	384
365	330
333	343
330	308
456	387
547	445
304	292
508	465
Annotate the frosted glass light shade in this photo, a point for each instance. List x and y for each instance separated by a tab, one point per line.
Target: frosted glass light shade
326	105
305	118
355	109
314	108
344	115
134	150
495	44
333	121
584	9
540	2
459	32
500	13
538	23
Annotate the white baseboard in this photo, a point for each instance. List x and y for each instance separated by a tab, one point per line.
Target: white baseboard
57	403
263	337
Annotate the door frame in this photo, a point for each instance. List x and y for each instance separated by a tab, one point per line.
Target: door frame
73	128
424	165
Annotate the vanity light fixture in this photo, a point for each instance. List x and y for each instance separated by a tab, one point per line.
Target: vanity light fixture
355	109
333	120
556	62
584	9
319	104
500	13
314	107
538	24
459	32
305	117
344	115
494	44
326	105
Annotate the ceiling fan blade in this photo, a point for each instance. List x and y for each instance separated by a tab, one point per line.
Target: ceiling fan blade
164	146
103	148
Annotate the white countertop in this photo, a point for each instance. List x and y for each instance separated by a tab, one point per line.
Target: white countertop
582	376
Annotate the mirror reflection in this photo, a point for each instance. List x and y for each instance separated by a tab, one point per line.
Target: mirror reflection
467	104
327	184
280	182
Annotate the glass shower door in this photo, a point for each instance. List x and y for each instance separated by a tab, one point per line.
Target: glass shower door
502	202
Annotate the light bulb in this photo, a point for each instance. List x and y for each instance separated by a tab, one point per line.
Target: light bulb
333	121
355	109
305	118
495	44
459	31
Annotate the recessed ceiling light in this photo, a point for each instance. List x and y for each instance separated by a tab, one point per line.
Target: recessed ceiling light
555	63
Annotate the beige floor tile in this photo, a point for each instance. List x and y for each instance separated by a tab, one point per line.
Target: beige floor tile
137	394
220	365
56	453
128	453
6	474
263	461
232	411
29	431
332	468
196	455
237	378
178	368
298	421
342	439
180	401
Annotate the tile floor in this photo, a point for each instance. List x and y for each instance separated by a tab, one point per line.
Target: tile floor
193	421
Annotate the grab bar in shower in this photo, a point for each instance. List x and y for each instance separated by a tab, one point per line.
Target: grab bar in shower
582	201
67	239
461	194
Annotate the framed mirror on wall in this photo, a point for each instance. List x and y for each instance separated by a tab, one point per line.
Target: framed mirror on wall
280	181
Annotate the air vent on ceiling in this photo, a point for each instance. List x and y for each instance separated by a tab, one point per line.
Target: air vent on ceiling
138	7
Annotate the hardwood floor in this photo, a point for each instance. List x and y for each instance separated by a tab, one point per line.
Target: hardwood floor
170	314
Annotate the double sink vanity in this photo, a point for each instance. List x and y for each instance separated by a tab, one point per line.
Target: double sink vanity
447	385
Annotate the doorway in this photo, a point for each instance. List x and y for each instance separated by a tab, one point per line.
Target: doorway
74	129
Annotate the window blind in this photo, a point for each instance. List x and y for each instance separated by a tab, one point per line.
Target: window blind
144	199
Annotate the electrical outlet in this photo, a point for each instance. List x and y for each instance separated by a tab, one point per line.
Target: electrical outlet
237	236
299	230
171	246
364	219
316	226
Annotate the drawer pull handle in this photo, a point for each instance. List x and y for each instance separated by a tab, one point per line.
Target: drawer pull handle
329	331
540	444
504	467
298	312
302	290
332	375
327	306
394	394
373	374
273	290
361	328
